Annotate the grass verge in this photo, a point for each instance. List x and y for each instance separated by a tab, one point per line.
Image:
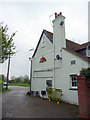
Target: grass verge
19	84
3	90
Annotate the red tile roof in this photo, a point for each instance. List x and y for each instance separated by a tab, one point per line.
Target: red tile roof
49	33
79	55
83	46
70	45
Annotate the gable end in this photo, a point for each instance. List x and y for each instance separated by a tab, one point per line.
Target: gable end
49	38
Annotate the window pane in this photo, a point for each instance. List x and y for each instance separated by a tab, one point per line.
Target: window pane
73	84
74	78
76	83
73	62
73	81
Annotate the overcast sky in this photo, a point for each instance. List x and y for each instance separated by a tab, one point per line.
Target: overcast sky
30	18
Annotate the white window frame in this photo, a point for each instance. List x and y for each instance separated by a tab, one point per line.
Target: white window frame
74	81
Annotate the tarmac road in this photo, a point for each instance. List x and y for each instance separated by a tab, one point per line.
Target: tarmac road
16	104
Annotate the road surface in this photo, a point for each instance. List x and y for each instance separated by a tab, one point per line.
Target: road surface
16	104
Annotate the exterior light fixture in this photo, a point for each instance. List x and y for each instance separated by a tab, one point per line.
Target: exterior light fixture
58	57
61	23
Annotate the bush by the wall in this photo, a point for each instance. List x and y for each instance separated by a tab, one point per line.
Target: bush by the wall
86	72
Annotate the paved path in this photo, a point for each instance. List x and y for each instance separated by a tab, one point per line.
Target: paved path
16	104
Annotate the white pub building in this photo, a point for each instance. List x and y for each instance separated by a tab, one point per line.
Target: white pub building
57	61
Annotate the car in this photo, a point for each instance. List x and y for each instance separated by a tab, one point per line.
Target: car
4	83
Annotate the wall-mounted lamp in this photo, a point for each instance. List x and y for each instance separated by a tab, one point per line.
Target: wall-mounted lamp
61	23
58	57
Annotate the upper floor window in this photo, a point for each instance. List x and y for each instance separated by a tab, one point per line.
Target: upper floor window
43	41
73	62
73	79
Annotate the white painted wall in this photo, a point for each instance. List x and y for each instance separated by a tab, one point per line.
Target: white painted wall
40	71
59	39
62	75
60	69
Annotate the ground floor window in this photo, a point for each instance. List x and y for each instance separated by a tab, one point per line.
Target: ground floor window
73	79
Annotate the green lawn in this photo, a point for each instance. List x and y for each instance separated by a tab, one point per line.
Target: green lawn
19	84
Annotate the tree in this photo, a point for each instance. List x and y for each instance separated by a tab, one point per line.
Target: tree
18	80
26	79
2	77
12	79
7	47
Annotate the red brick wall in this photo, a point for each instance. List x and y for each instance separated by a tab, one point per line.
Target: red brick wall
88	86
83	96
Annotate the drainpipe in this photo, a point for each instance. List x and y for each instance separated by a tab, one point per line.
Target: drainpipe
30	58
30	72
54	67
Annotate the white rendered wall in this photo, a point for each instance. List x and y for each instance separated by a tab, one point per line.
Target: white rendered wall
42	71
58	71
59	39
62	75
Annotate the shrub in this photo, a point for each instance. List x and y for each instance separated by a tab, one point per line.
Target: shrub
86	72
3	78
11	81
18	80
26	80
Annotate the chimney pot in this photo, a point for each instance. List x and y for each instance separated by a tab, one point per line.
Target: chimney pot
56	15
60	13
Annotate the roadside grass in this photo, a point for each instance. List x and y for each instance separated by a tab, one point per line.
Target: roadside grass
19	84
3	90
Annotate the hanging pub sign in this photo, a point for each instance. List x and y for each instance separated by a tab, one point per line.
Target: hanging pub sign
43	59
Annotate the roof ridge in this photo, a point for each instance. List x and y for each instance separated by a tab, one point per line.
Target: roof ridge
67	39
85	43
70	45
73	41
47	31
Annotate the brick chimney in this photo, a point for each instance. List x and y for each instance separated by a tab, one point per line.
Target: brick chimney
56	15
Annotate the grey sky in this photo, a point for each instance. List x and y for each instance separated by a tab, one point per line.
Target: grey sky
30	18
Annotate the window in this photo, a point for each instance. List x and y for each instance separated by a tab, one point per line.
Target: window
73	62
43	41
49	82
73	81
